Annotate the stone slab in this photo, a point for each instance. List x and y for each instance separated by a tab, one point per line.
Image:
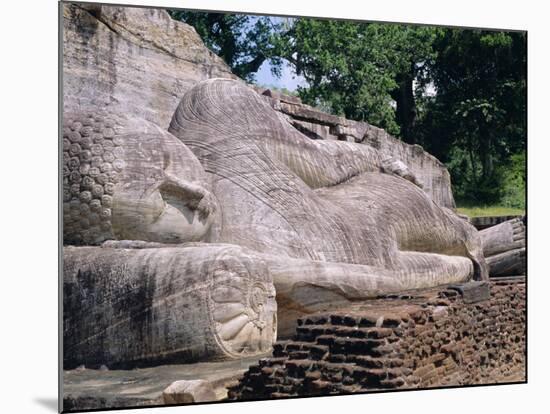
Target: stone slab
473	292
99	389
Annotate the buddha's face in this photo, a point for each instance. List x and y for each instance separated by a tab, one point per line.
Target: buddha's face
129	180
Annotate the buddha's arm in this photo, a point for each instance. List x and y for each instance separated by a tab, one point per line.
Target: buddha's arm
324	163
221	114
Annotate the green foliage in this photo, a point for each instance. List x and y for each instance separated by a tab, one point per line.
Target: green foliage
514	177
244	42
491	210
281	90
506	186
477	120
355	68
470	186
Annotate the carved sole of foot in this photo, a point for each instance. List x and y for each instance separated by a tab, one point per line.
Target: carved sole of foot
504	248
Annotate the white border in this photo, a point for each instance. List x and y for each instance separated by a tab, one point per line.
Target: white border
29	203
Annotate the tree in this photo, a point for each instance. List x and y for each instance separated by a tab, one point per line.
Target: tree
243	42
415	51
360	70
477	120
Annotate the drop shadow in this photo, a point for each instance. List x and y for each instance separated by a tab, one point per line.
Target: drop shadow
49	403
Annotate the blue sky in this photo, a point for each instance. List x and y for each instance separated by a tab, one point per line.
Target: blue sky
288	79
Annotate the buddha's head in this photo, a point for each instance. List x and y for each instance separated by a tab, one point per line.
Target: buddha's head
127	179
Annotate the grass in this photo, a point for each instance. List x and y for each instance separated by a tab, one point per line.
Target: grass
484	211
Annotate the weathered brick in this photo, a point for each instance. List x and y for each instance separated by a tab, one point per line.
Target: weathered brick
298	354
418	315
280	395
423	370
430	375
297	368
374	376
315	320
347	389
368	320
392	383
391	321
313	375
378	333
421	329
435	358
318	351
473	343
368	361
345	320
356	346
350	332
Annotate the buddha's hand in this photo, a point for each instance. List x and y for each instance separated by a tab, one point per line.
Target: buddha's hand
195	196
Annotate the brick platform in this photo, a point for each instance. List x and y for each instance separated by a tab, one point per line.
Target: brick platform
415	340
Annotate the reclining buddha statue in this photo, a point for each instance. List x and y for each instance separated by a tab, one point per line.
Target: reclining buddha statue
182	239
329	202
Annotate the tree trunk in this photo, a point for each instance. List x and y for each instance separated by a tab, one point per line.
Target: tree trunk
485	153
406	107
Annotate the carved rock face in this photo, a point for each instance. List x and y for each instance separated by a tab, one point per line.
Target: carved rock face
141	68
136	307
244	316
125	178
